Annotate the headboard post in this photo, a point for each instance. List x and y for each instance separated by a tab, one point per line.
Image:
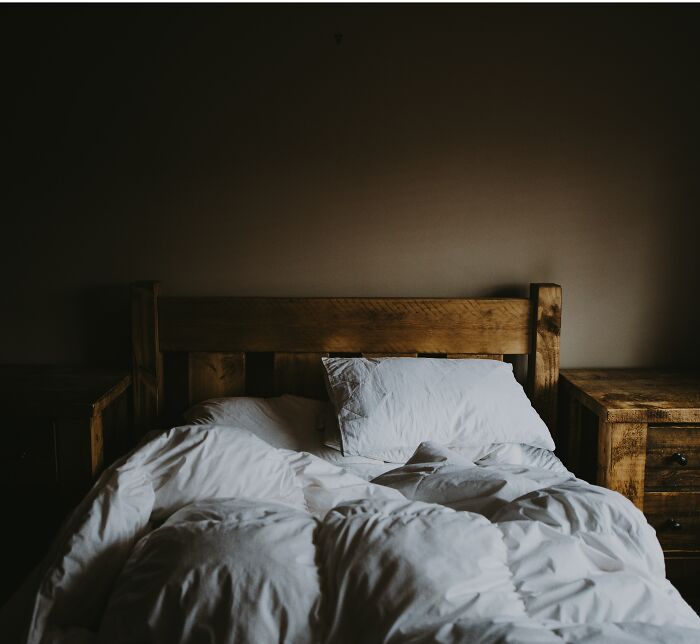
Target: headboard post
147	362
543	359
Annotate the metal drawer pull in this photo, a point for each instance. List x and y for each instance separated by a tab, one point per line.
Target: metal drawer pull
674	525
681	459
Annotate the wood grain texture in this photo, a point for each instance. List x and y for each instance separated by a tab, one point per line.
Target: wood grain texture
664	469
637	458
543	360
300	374
283	337
389	355
111	394
96	445
147	361
215	375
622	459
345	325
475	356
638	395
661	508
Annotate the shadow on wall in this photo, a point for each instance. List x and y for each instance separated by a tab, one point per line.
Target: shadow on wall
677	330
106	325
437	151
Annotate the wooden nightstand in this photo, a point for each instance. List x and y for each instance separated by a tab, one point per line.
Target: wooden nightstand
637	431
61	427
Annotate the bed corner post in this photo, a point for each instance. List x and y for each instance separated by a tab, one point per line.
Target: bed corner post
543	359
147	363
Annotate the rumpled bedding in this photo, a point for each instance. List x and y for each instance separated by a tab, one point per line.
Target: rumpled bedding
205	534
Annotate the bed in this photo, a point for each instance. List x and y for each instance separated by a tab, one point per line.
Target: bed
217	530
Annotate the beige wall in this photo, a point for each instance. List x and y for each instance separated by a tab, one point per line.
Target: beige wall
443	151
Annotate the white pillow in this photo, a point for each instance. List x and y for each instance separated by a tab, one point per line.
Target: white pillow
387	407
331	439
286	422
331	431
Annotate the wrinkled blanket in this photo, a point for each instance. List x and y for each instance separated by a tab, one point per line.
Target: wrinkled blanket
207	534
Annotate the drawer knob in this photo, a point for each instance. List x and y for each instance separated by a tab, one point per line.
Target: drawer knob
674	525
681	459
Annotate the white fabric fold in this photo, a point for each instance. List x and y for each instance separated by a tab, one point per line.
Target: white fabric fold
204	534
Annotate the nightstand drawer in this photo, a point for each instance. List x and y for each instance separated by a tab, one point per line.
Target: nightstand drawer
676	518
673	457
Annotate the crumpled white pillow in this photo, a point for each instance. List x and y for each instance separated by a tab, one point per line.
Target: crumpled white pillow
386	407
286	422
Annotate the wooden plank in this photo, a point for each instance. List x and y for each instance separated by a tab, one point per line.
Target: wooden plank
300	374
671	477
673	457
345	325
389	355
663	508
543	359
638	395
215	375
475	356
622	449
147	359
96	444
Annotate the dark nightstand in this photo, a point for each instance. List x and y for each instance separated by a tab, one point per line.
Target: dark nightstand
637	431
61	427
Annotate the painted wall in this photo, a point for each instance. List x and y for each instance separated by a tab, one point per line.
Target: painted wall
436	151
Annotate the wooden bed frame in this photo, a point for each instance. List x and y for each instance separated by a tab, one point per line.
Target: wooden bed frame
187	349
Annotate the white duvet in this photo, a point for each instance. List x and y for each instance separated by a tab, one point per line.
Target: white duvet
207	534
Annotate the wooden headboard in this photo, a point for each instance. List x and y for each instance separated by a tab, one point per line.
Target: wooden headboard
187	349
